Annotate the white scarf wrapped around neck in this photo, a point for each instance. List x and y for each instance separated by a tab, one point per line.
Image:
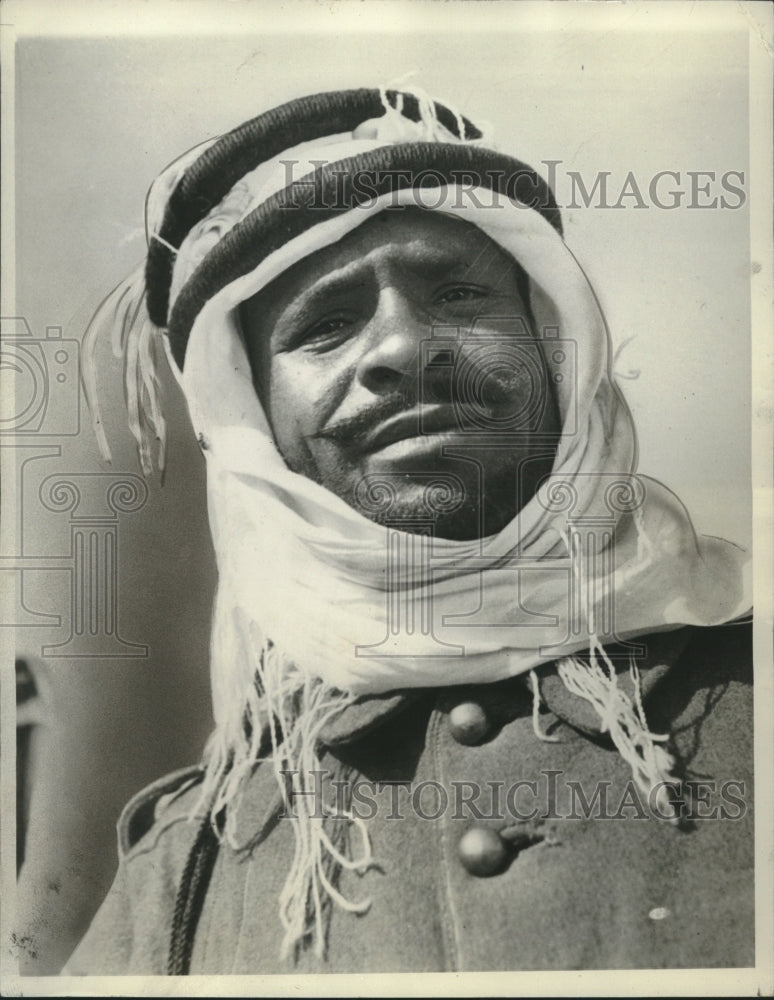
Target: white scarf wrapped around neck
309	572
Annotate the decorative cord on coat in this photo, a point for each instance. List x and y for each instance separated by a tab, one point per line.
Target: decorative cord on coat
190	898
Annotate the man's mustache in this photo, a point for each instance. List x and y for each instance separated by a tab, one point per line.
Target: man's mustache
497	389
356	428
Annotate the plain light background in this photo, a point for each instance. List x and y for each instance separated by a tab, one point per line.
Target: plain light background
98	118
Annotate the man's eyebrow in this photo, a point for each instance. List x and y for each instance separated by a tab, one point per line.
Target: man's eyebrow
429	266
303	307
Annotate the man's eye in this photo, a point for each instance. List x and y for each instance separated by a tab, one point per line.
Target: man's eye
461	293
325	333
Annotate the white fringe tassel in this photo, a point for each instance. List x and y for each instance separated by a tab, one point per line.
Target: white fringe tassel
122	316
434	130
650	763
536	711
301	899
293	706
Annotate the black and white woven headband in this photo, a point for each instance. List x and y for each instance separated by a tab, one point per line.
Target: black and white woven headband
333	188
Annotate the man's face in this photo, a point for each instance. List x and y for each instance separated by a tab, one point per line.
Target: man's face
404	354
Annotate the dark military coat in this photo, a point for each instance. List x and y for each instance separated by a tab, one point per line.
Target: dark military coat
494	850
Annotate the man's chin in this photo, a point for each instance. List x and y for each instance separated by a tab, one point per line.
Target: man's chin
438	505
454	496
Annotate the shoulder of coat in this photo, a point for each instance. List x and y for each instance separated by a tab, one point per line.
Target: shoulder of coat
168	799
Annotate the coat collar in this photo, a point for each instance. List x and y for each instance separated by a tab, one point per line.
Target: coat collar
661	653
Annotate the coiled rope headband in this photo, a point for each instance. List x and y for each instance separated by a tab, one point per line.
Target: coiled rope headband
333	188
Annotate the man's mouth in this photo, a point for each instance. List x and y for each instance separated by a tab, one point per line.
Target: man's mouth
373	431
417	425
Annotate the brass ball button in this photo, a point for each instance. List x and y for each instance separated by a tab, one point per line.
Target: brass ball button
468	723
483	852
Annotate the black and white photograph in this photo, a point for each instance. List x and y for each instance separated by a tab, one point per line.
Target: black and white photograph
386	546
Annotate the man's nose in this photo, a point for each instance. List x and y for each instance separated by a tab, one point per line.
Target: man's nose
394	336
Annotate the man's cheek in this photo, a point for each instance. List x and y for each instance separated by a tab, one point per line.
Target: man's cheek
319	459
